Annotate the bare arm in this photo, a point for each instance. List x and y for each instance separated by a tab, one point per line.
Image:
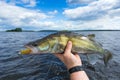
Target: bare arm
72	60
80	75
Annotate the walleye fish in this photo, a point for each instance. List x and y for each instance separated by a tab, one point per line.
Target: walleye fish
56	43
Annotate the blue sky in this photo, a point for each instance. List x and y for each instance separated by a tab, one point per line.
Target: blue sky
60	14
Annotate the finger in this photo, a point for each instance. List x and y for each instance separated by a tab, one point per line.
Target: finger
60	56
68	47
77	55
74	53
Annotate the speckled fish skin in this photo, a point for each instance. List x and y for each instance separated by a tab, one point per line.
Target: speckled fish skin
56	43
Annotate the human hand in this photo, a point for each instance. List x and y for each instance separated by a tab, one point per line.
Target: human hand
68	58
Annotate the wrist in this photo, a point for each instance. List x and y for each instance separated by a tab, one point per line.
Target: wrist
75	69
71	66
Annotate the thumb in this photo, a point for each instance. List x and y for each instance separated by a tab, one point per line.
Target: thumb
68	47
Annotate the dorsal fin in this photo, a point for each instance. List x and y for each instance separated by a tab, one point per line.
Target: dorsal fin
91	36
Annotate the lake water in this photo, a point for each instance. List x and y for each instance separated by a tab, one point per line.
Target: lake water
47	66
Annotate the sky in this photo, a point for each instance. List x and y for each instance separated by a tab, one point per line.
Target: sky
60	14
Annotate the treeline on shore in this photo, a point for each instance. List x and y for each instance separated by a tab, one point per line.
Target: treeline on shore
21	30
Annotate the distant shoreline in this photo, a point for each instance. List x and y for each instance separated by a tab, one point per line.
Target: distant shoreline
21	30
58	30
95	30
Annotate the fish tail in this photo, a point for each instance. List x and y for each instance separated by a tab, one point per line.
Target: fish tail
107	56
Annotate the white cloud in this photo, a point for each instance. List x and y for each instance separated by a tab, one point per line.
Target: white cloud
32	3
45	24
26	3
11	15
94	10
105	22
53	12
101	14
79	1
114	13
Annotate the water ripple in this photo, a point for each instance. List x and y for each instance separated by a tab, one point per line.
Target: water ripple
47	66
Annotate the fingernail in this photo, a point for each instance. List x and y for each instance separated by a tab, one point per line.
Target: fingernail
69	42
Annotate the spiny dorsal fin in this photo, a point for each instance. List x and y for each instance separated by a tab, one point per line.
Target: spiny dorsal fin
91	36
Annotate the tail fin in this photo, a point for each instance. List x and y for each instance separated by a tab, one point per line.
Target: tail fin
107	56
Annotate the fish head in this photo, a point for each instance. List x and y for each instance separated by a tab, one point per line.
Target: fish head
35	47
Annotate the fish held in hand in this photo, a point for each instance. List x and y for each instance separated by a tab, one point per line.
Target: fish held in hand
56	43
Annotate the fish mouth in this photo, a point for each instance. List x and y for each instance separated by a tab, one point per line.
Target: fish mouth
28	50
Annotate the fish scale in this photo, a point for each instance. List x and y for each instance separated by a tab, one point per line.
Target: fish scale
56	43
